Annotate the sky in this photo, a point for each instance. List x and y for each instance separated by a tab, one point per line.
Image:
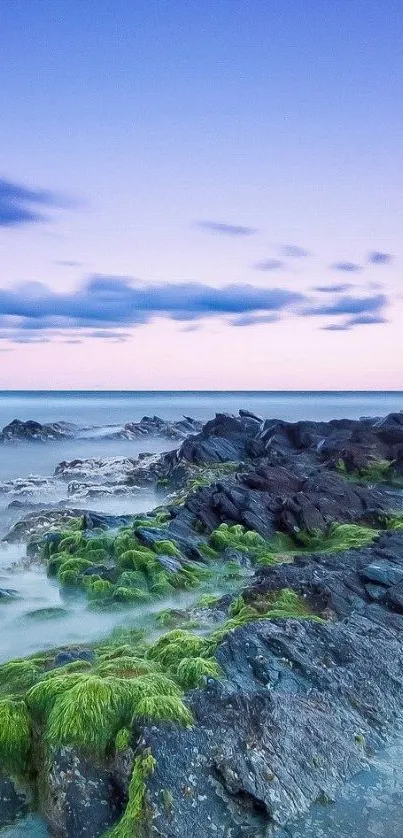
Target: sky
201	195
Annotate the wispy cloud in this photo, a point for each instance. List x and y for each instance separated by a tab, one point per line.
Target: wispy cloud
350	305
379	258
254	319
269	265
24	205
105	304
334	289
336	327
226	229
367	320
347	267
293	251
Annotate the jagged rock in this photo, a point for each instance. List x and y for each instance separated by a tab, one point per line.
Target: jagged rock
35	432
272	498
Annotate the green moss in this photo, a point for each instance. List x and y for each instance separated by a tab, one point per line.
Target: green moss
16	677
125	666
172	647
338	537
123	739
376	471
208	600
192	672
282	547
41	698
15	736
284	604
164	709
128	826
393	521
130	595
166	548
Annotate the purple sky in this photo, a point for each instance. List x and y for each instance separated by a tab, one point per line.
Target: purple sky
201	195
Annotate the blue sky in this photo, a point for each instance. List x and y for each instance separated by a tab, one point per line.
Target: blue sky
201	194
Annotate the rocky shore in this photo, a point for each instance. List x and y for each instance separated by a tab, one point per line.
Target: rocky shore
275	683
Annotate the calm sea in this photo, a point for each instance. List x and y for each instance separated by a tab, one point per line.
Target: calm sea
110	407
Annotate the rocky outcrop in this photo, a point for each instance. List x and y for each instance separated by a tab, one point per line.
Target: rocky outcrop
268	499
35	432
148	426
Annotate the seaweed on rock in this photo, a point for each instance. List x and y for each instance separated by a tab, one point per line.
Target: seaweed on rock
15	736
127	827
338	537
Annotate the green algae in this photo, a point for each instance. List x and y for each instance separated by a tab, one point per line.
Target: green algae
376	471
127	827
136	572
15	736
123	739
282	547
393	521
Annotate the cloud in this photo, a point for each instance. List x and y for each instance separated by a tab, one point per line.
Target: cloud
350	305
367	320
379	258
23	205
226	229
336	327
292	251
334	289
67	263
105	304
269	265
347	267
254	319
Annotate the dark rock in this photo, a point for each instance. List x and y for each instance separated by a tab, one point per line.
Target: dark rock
85	798
34	431
71	656
383	572
15	800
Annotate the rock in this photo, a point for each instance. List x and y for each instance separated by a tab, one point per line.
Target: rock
84	798
383	572
72	655
15	800
7	594
35	432
390	429
46	520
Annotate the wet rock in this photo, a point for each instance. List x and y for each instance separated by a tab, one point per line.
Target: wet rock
35	432
72	655
15	800
84	797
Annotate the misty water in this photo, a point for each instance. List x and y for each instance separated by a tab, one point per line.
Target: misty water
41	616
